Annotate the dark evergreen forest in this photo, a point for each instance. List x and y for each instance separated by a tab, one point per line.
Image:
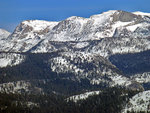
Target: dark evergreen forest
111	100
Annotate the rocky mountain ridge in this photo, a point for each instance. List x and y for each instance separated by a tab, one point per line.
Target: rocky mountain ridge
103	35
35	35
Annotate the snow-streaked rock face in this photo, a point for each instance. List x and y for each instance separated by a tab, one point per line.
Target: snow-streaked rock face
83	96
11	59
139	102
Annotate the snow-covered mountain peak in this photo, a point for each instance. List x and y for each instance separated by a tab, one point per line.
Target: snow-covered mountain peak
75	18
39	25
27	34
31	29
4	33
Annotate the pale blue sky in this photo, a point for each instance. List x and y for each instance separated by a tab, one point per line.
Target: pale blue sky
14	11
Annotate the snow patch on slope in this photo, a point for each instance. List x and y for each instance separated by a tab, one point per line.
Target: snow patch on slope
10	59
139	102
102	18
120	24
83	96
134	27
142	78
81	45
120	80
141	13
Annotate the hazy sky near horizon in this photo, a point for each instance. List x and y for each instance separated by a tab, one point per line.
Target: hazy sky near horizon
15	11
